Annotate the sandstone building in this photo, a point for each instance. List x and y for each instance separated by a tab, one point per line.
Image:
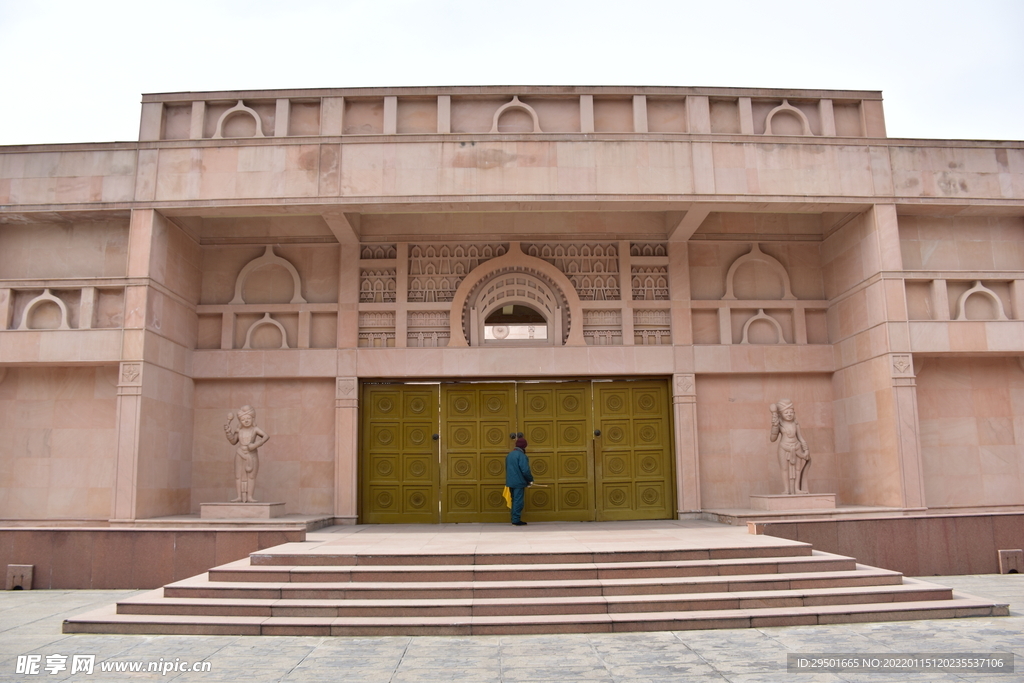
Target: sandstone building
398	279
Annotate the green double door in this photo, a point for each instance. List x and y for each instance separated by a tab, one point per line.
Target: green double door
599	450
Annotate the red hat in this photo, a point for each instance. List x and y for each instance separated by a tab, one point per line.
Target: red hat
520	442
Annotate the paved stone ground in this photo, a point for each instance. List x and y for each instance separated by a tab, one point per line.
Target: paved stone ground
30	623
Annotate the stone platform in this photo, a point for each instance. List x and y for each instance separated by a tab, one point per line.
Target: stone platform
475	579
241	510
796	501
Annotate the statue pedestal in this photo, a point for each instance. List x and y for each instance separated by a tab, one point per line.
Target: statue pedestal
241	510
797	501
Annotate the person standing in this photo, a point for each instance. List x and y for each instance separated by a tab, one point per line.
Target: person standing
517	477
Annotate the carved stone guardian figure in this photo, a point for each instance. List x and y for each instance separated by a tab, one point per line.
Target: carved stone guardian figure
794	455
247	438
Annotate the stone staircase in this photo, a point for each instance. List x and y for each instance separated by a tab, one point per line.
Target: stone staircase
323	589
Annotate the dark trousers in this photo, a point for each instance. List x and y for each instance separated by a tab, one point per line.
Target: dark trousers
518	500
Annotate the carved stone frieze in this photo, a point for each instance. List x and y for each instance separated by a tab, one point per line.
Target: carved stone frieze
593	268
377	285
378	251
436	271
650	283
647	249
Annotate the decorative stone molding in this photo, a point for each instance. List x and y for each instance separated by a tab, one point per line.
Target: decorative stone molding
756	255
645	249
761	315
436	271
131	374
978	288
652	327
593	268
265	320
378	251
378	286
516	104
519	286
602	327
46	296
346	387
376	329
267	259
902	364
346	392
515	261
789	109
427	329
650	283
237	109
685	385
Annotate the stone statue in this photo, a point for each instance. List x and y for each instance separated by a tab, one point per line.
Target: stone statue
794	456
247	438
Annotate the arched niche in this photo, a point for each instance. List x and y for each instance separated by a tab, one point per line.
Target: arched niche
516	289
755	255
239	108
269	258
762	316
787	109
980	289
477	296
515	104
42	299
265	320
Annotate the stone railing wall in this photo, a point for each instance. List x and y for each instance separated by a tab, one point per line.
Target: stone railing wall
531	110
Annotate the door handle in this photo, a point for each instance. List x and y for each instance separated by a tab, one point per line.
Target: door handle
597	432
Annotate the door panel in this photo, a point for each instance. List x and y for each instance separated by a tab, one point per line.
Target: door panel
477	420
555	418
625	473
399	464
634	452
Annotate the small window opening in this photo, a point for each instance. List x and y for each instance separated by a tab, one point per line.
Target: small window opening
515	323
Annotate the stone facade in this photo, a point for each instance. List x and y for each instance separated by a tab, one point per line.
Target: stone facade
279	249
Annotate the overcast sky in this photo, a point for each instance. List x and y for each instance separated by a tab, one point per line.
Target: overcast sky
74	71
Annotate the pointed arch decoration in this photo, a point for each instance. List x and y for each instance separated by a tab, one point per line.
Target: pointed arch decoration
761	315
45	297
516	104
266	320
978	288
268	258
789	109
470	307
755	254
238	108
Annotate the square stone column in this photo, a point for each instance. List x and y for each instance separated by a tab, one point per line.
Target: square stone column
346	451
904	389
129	421
684	414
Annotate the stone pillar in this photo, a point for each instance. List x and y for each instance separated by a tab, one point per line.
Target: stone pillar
904	388
348	296
129	420
346	451
130	375
626	292
684	413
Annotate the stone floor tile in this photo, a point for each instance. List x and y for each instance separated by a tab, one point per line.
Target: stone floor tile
555	673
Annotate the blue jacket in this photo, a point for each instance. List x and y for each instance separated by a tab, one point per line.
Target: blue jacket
517	469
